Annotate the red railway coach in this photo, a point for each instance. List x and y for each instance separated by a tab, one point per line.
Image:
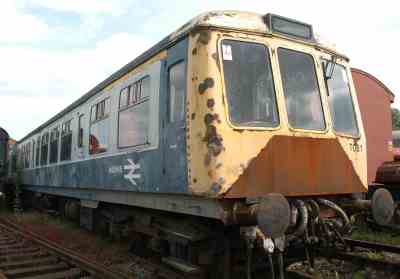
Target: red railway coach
374	99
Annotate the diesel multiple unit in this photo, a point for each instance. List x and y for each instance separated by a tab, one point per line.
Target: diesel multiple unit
238	125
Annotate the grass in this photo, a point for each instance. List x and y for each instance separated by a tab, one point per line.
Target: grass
363	232
35	218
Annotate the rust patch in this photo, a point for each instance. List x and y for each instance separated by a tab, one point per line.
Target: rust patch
210	103
194	51
204	37
213	139
295	166
193	116
217	186
215	57
207	83
216	118
208	119
207	159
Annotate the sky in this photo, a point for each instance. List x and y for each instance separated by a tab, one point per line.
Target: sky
54	51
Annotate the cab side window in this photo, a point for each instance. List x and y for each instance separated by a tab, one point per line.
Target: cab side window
177	85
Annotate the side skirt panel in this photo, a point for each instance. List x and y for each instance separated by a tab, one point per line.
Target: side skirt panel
204	207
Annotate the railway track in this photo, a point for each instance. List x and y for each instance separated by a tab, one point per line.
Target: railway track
24	254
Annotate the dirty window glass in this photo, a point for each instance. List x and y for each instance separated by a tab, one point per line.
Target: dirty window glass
300	85
249	84
33	153
341	103
44	149
133	121
54	136
100	126
98	140
37	159
66	141
124	97
177	91
80	130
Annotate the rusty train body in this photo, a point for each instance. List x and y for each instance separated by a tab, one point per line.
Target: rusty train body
238	121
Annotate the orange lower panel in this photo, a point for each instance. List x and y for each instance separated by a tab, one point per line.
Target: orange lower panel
296	166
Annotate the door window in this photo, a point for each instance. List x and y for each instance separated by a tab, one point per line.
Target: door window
177	86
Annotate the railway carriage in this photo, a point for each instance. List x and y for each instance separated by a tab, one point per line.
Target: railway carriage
238	120
4	137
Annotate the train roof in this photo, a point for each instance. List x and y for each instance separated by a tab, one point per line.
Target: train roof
230	20
3	134
386	89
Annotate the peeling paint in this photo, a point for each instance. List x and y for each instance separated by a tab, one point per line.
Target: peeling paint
215	57
207	83
207	159
210	103
204	37
208	119
216	118
215	188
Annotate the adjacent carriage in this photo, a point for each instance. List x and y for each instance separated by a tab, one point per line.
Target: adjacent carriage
4	137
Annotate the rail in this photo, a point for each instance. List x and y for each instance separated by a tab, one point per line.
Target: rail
57	260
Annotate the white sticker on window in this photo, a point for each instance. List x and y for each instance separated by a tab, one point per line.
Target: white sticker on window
227	52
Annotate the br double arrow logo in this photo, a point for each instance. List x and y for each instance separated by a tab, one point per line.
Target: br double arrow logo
132	175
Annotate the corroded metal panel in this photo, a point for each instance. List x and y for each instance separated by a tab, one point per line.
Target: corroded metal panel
298	167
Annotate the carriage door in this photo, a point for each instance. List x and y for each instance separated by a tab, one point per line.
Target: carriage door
175	123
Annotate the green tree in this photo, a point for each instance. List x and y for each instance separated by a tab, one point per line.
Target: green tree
395	119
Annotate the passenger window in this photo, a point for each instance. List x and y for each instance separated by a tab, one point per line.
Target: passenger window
99	127
28	155
80	130
33	153
177	86
25	156
38	153
54	139
133	124
44	149
66	141
124	97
